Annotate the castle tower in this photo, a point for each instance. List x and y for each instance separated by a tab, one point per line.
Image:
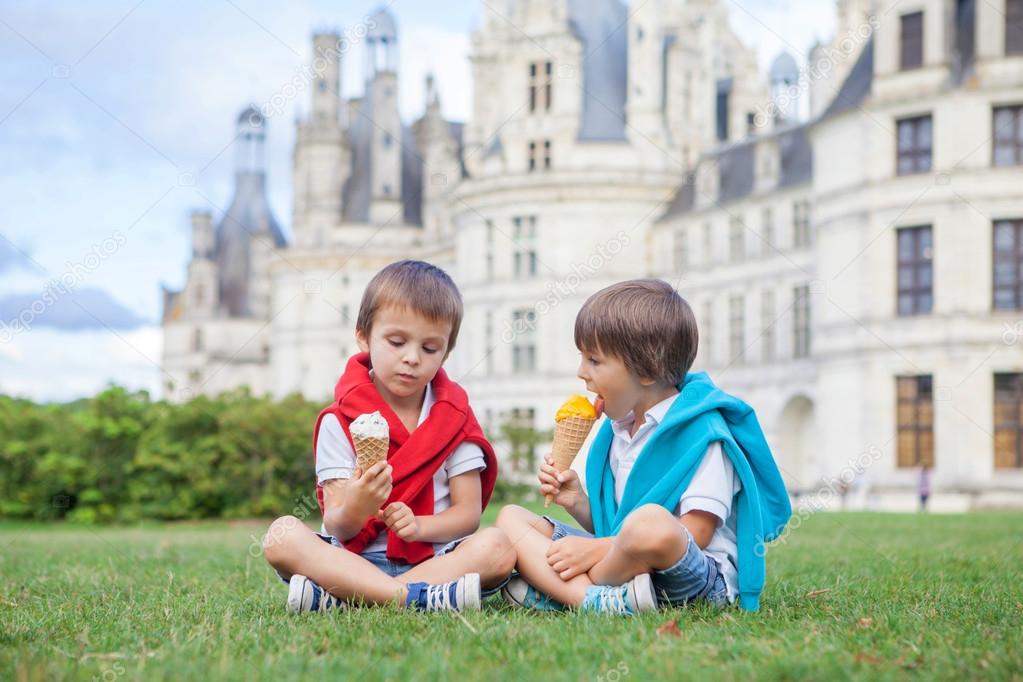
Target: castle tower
201	287
442	170
385	147
326	65
248	218
322	157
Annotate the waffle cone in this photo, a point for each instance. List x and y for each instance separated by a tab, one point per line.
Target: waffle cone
569	436
369	451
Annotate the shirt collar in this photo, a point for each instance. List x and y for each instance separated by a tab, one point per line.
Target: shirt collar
652	417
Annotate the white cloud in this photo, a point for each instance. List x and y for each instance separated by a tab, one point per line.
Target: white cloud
45	365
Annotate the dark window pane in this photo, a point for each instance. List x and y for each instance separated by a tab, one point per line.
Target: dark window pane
905	135
905	244
1004	123
914	145
1004	237
915	272
1014	26
1007	265
1008	135
1005	273
912	26
923	132
1004	156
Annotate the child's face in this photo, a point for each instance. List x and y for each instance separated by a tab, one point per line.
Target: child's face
405	350
608	377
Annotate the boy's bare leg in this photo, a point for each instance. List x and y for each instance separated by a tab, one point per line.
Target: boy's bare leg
487	552
530	535
292	548
651	539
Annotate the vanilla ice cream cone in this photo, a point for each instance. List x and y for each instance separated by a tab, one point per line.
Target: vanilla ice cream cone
371	438
369	451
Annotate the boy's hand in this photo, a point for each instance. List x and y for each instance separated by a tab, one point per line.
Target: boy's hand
401	521
563	486
574	556
368	490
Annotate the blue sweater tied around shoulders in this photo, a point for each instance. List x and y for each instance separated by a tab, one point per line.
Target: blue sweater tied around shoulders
701	414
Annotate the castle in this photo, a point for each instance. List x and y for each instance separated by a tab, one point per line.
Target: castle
857	273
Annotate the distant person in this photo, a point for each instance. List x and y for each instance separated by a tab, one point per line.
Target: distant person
924	486
403	530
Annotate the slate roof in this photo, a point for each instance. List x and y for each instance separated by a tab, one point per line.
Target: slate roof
736	168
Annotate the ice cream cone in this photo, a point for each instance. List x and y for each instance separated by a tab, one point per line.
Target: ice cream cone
569	435
369	451
371	438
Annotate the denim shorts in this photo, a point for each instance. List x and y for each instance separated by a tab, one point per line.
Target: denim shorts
396	569
694	576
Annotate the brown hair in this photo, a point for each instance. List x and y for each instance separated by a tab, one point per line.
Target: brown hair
417	285
645	323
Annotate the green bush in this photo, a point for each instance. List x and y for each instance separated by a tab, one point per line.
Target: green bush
122	457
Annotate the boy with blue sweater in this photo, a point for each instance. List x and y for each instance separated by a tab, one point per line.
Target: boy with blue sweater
681	490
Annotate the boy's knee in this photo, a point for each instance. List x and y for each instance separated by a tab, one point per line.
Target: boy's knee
512	514
649	530
278	536
493	546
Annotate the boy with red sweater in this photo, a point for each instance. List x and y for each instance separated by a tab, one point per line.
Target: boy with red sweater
397	531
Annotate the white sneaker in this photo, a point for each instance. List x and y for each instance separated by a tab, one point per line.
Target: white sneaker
459	595
633	597
518	592
305	595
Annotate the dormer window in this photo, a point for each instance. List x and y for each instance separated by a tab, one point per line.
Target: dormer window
912	41
540	79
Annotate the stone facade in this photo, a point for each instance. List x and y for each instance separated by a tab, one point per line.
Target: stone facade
608	143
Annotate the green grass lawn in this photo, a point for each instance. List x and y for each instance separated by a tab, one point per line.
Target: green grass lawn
848	596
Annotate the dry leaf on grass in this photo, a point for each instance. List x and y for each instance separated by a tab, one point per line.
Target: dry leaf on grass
669	629
817	593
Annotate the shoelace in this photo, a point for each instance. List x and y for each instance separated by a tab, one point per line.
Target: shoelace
539	600
613	600
327	600
439	597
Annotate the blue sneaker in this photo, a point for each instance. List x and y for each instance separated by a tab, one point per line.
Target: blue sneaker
520	593
306	596
633	597
460	595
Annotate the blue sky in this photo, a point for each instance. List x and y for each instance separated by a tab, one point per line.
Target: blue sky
116	120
